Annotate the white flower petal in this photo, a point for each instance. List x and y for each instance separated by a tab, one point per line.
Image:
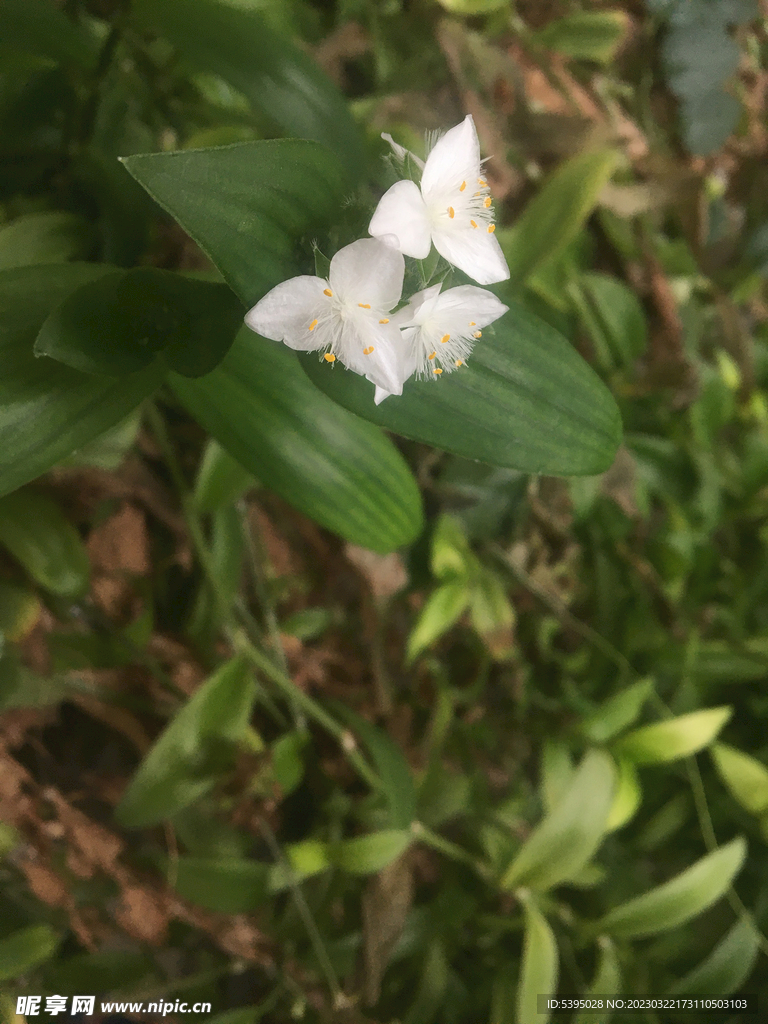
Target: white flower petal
474	251
286	312
454	158
381	393
367	271
419	308
401	212
380	358
466	304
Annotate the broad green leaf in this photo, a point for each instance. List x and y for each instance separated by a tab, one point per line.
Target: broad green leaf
674	738
226	886
25	949
525	400
186	759
48	411
539	969
628	796
307	858
391	766
120	323
277	77
41	28
287	760
43	238
39	536
105	970
745	777
585	35
557	212
618	712
556	772
343	473
680	899
365	855
109	449
616	316
443	609
221	480
570	834
726	968
246	205
607	982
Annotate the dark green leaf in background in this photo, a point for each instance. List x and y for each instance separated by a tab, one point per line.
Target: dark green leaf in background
40	28
525	400
246	205
25	949
40	238
275	75
338	470
47	410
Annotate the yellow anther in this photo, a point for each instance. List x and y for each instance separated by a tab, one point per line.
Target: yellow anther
459	362
364	305
436	370
385	320
491	228
473	223
487	202
483	183
432	356
328	292
313	325
472	323
463	186
450	212
445	338
329	357
367	351
478	334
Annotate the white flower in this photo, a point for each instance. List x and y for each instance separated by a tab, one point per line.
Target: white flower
439	329
452	209
346	316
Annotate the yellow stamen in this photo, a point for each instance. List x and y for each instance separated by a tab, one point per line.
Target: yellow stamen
328	292
445	338
473	223
463	186
364	305
437	371
478	334
329	357
483	183
487	202
450	212
367	351
385	320
472	323
313	325
491	228
459	362
432	356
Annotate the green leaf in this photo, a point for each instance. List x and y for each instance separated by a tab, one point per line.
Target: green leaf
726	968
19	611
36	532
365	855
473	8
20	687
343	473
557	212
43	238
40	28
616	314
556	772
585	35
525	400
307	858
221	480
186	760
539	970
25	949
246	205
226	886
677	737
607	982
745	777
47	410
618	712
628	796
118	324
277	77
287	760
105	970
451	557
571	833
680	899
444	607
